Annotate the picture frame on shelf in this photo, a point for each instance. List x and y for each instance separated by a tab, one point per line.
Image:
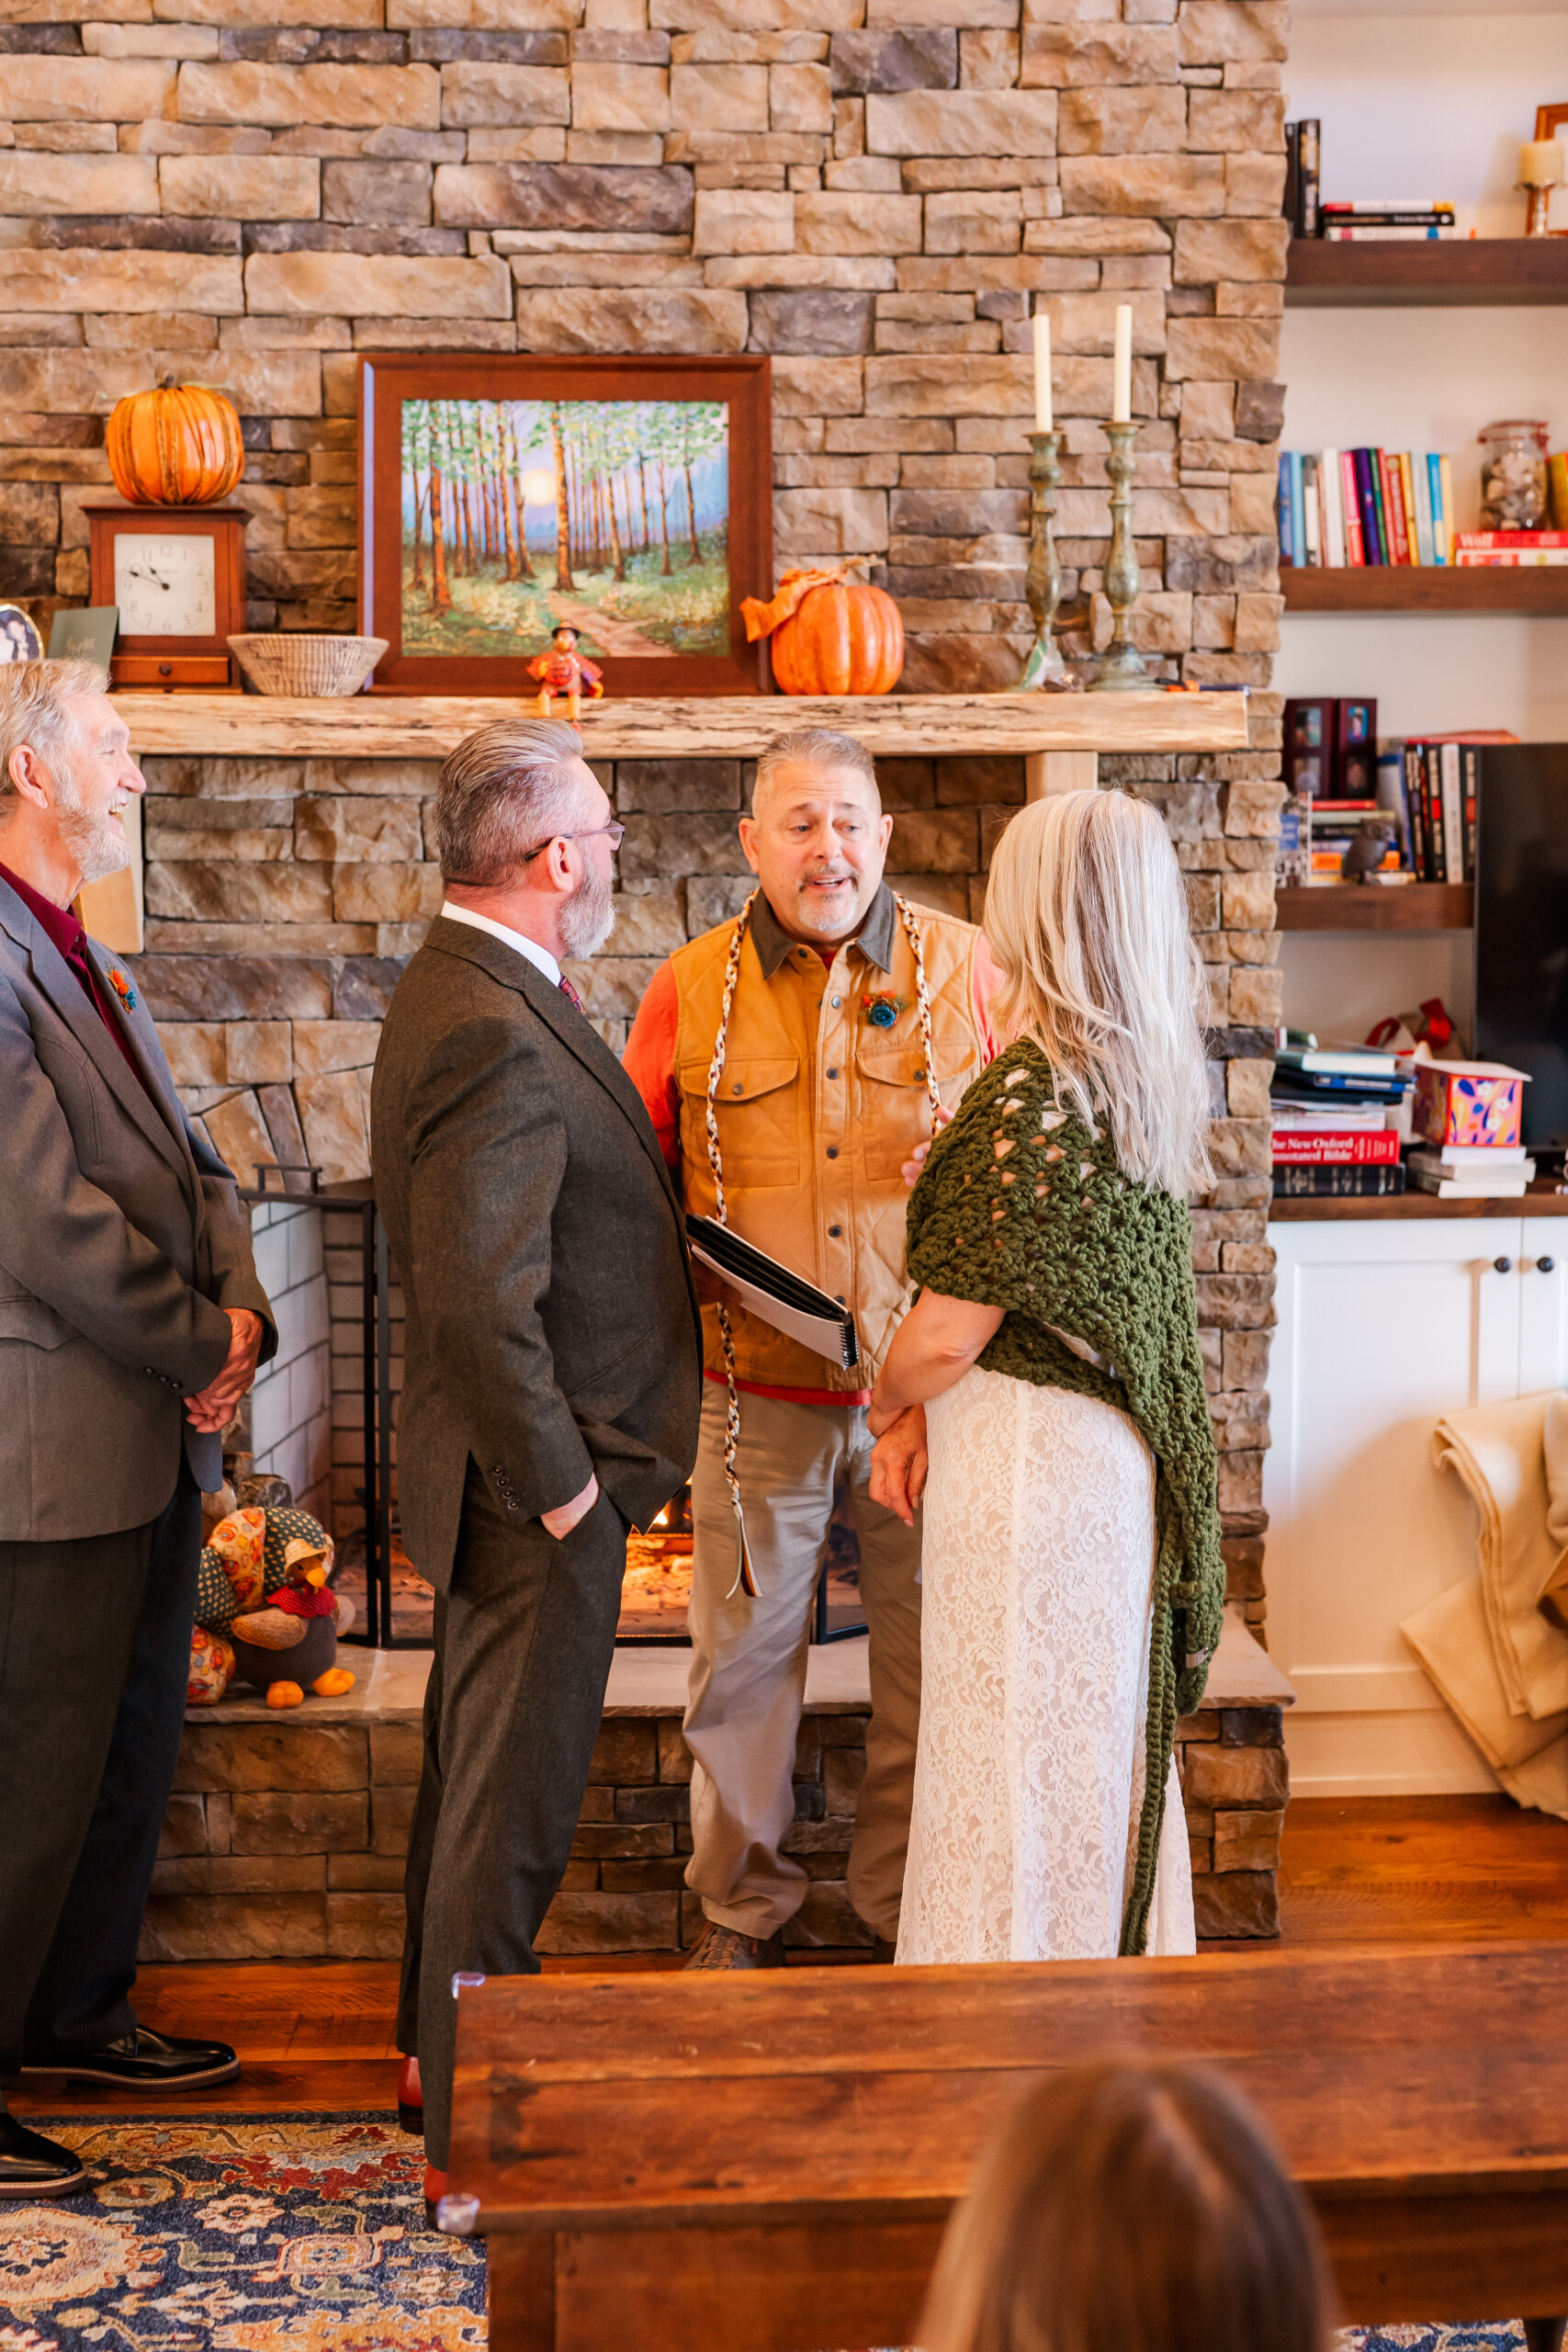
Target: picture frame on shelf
1549	121
629	498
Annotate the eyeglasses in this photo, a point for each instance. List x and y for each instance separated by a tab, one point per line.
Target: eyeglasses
614	835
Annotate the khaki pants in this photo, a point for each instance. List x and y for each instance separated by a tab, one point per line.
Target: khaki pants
748	1661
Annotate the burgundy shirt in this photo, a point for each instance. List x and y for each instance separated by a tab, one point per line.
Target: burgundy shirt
70	937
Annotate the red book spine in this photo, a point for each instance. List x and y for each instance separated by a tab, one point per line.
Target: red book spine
1355	545
1394	507
1347	1147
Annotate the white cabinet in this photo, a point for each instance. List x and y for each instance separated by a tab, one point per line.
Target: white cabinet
1384	1325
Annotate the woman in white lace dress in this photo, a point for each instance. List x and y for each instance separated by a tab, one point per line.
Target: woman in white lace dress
1072	1582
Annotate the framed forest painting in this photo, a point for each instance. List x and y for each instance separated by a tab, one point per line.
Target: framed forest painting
501	497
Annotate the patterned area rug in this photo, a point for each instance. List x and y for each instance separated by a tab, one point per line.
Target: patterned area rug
1489	2336
255	2233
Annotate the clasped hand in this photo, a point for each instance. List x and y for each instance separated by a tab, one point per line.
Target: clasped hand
214	1408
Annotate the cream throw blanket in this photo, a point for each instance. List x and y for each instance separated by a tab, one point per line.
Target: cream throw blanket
1495	1644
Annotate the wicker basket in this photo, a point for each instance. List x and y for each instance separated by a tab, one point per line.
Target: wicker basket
284	663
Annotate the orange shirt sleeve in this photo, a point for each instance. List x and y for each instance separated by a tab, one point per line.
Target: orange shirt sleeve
650	1061
984	982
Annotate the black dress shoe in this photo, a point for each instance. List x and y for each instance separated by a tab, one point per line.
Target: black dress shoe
144	2061
31	2165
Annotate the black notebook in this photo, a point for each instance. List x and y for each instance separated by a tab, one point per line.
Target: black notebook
791	1304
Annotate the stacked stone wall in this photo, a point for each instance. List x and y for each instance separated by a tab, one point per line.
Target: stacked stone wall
246	193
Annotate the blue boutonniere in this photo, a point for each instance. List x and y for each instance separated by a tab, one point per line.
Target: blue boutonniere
882	1011
122	987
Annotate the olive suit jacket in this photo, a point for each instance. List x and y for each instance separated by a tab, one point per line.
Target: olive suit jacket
122	1241
552	1332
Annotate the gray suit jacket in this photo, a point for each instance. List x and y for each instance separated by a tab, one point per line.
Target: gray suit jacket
551	1327
121	1241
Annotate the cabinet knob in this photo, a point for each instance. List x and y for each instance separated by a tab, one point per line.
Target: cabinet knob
1544	1265
165	669
1503	1265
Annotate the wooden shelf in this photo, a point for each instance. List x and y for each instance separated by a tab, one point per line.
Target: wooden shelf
1425	588
1427	273
396	727
1376	906
1398	1206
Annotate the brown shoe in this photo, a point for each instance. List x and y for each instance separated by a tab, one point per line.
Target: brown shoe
728	1947
883	1952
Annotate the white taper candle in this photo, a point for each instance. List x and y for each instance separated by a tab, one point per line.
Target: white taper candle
1043	372
1121	367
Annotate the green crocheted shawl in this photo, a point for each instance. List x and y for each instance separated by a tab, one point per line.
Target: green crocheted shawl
1021	1206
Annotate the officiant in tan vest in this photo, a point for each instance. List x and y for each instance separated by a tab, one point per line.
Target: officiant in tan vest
791	1061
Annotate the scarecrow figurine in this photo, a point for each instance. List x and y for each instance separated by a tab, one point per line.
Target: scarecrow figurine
564	671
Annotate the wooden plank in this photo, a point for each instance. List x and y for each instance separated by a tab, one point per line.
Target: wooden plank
519	2289
1426	273
1049	772
1425	588
427	728
773	2100
1400	2259
1400	1206
1349	906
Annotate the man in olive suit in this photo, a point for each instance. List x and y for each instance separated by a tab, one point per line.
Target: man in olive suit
132	1323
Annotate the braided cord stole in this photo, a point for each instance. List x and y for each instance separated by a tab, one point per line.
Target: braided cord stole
745	1575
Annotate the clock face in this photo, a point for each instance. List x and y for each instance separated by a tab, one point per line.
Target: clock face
165	586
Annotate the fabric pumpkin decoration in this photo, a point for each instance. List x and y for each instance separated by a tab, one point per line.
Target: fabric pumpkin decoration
179	444
829	635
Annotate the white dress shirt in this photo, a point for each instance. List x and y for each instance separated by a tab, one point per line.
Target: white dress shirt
540	958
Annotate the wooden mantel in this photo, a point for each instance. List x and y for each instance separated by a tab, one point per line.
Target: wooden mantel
399	726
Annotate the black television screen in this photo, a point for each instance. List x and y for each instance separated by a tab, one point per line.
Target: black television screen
1521	925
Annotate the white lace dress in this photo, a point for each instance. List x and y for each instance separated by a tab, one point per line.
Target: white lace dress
1037	1558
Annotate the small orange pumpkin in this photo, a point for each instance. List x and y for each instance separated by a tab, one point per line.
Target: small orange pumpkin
179	444
842	639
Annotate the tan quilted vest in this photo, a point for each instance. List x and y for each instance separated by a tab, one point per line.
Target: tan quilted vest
818	1108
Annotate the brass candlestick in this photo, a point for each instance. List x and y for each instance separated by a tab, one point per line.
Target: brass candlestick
1044	668
1121	668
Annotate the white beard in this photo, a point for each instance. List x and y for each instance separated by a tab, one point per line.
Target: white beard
589	916
95	840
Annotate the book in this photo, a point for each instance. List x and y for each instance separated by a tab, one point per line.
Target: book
1354	548
1505	1186
1557	488
1309	191
1290	201
1345	1061
1331	509
1379	207
1392	797
1373	233
1395	537
772	1290
1473	1158
1294	1118
1344	1147
1446	473
1418	494
1298	511
1337	1183
1311	518
1510	558
1431	760
1374	501
1286	511
1470	793
1416	803
1453	813
1443	534
1511	539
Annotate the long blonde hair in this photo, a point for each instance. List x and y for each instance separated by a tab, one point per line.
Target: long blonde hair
1126	2208
1087	913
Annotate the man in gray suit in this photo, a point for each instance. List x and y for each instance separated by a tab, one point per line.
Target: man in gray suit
552	1356
131	1322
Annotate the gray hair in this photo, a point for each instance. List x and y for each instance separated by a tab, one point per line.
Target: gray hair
505	790
813	747
34	696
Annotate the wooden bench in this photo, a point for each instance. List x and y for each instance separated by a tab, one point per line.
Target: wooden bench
764	2162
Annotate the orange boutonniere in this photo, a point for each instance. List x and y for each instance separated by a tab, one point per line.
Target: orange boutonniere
122	987
882	1011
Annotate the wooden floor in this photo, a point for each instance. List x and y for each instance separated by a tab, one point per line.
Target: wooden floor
318	2034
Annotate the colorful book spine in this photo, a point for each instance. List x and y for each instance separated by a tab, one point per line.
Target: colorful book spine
1284	511
1510	558
1311	510
1415	807
1453	813
1298	512
1511	539
1394	537
1446	474
1309	191
1346	1148
1470	793
1442	536
1337	1183
1439	853
1367	504
1557	488
1355	546
1331	505
1417	490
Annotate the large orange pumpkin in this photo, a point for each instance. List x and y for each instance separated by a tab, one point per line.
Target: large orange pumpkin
177	445
841	640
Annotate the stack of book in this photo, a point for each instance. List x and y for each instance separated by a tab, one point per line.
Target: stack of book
1432	783
1486	1172
1510	550
1348	508
1335	1112
1388	221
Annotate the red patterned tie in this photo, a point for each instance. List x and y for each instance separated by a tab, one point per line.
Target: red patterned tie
570	992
